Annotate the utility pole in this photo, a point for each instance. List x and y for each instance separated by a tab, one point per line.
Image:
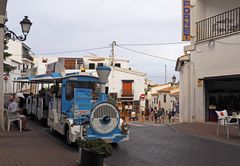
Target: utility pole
113	64
3	5
165	73
113	53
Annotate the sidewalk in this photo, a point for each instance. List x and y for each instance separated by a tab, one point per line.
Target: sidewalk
208	130
35	148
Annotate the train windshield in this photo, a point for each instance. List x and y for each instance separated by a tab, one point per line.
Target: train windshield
82	84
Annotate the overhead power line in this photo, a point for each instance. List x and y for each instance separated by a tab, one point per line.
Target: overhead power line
150	44
73	51
158	76
154	56
98	48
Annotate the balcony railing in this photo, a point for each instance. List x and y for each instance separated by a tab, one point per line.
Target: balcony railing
222	24
28	57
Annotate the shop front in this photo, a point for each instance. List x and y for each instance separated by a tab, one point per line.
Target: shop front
222	93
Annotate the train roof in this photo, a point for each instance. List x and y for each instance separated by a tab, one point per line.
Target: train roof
50	78
22	80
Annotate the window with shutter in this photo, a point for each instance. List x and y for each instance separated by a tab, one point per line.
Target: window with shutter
91	66
70	64
127	88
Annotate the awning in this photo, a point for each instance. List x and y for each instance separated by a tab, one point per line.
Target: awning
181	60
223	78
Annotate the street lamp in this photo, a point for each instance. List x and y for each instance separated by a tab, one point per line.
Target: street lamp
173	78
25	25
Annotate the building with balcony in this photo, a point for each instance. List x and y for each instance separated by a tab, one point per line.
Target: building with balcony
21	60
210	70
70	64
92	62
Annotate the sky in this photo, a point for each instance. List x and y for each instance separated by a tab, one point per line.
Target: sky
74	25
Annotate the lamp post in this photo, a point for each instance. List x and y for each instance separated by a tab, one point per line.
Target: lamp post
2	20
173	79
7	34
25	25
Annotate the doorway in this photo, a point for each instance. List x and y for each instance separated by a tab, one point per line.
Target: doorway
222	93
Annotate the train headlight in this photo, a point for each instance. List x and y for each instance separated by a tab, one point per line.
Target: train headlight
84	130
125	128
104	118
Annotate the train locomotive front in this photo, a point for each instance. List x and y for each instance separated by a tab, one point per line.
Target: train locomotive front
99	119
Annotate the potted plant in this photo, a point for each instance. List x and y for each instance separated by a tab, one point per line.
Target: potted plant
93	152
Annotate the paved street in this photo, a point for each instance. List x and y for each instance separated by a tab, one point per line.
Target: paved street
149	145
162	145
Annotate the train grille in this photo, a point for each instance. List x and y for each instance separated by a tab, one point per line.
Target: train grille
106	109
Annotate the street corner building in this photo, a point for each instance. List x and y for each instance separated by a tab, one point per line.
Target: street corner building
210	70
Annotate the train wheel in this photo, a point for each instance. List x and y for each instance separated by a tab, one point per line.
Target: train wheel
67	135
52	129
43	122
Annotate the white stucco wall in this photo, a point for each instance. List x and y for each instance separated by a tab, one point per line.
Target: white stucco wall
209	8
105	60
214	7
42	66
184	95
154	90
222	59
8	84
15	48
115	82
168	104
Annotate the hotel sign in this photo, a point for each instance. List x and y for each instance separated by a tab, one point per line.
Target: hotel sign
186	20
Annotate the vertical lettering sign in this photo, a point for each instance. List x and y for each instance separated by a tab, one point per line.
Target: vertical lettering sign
186	20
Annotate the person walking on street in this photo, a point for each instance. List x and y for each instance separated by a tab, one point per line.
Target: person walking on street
162	115
172	115
152	113
155	115
169	116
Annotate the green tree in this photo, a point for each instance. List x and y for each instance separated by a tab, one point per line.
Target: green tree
6	68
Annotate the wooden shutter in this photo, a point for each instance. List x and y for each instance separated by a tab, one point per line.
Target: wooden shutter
70	63
127	89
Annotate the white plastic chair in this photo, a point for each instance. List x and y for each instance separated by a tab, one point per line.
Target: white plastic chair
13	116
224	120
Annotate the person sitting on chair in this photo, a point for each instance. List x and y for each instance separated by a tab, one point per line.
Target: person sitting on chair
13	107
9	101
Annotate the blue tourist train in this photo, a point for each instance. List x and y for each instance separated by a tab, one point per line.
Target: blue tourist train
77	106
